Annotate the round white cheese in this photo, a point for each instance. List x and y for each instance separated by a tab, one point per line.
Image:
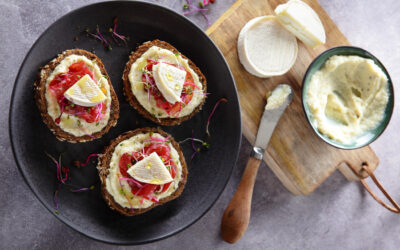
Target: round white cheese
265	48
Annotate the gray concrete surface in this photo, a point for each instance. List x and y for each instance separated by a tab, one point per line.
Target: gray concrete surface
338	215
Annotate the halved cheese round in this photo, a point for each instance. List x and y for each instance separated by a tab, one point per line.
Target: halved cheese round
265	48
301	20
169	80
85	92
150	169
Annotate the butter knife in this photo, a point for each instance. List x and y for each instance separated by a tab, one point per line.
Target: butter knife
237	215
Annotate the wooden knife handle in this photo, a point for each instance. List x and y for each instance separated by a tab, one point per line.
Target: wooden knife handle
237	215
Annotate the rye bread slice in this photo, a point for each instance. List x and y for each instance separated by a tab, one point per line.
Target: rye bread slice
135	103
41	102
104	164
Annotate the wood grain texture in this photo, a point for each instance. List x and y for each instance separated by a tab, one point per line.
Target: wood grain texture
237	214
295	154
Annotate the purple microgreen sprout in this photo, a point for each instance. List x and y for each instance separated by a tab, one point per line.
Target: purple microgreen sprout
191	84
80	164
131	180
212	113
116	35
159	139
196	150
193	9
82	189
62	179
129	201
55	198
101	38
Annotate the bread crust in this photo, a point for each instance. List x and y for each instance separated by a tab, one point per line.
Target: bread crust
41	102
104	164
135	103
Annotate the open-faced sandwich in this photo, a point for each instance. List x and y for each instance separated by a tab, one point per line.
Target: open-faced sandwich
141	169
162	84
75	97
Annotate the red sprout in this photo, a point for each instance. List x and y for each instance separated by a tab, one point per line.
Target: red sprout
191	84
153	198
194	9
99	115
129	201
206	17
159	139
82	189
152	61
100	37
62	104
55	197
115	34
131	180
80	164
193	147
212	113
59	168
62	170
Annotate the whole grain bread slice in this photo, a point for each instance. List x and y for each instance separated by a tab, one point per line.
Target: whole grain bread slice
135	103
104	164
40	98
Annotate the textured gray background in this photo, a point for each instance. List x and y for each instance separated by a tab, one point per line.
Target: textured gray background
338	215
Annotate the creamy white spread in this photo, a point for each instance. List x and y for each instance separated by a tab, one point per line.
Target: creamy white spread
113	184
71	123
137	86
278	96
347	97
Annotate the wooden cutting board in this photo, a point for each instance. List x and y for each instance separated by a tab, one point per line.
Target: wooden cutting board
295	154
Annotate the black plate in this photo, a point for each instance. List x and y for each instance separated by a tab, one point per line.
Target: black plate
209	171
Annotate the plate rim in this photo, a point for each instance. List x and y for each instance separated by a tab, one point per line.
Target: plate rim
28	182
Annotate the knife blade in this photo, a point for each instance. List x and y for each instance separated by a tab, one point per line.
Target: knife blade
269	120
237	214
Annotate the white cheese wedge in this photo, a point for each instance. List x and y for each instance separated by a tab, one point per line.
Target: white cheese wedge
151	170
300	19
265	48
169	81
85	92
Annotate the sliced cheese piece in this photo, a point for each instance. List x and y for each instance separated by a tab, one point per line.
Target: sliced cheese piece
276	98
265	48
151	170
300	19
85	92
169	80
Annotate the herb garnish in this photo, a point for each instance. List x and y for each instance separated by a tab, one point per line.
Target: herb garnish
212	113
113	31
62	179
204	144
100	37
193	9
